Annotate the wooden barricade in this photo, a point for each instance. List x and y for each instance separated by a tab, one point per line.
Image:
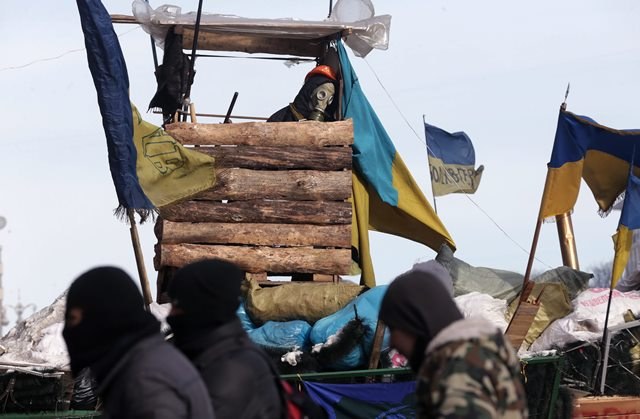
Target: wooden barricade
279	204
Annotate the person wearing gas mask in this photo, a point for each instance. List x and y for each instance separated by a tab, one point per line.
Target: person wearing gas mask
464	367
138	374
315	100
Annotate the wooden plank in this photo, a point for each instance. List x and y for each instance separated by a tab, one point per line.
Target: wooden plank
225	41
607	407
279	158
256	234
275	134
285	212
261	259
521	323
294	185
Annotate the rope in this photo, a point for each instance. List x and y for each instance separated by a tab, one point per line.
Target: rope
71	51
495	223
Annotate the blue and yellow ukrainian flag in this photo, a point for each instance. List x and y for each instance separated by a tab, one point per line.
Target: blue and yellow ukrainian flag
385	196
585	149
629	221
149	168
452	161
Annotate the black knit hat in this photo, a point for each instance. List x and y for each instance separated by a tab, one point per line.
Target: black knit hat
112	317
418	302
208	292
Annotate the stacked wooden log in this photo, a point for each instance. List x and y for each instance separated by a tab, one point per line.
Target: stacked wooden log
279	204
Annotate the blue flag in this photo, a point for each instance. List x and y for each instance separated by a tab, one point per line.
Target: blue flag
380	400
452	161
150	169
109	73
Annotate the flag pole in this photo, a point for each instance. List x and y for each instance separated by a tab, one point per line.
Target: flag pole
137	250
605	332
433	192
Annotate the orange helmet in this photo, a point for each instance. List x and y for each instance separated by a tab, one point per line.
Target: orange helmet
322	70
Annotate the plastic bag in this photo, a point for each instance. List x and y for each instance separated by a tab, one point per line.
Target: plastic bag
246	322
368	306
282	336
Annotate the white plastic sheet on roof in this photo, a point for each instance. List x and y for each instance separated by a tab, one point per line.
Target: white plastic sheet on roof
355	16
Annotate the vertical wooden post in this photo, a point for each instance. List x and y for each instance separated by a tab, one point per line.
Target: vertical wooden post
137	250
377	345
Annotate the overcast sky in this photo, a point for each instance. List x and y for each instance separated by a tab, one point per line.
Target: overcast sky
497	70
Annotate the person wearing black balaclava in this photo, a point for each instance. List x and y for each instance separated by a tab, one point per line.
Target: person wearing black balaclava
138	374
464	367
204	297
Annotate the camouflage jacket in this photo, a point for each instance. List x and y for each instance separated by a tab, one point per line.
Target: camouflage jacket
470	371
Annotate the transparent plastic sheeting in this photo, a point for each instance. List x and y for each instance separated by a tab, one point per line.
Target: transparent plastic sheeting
356	16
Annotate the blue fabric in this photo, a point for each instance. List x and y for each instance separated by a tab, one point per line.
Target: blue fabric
368	307
282	335
109	73
576	134
453	148
381	400
373	150
245	320
630	216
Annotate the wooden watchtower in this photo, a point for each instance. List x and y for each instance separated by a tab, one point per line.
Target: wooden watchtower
280	205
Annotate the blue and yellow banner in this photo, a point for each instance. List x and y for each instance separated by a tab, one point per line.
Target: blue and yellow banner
379	400
584	149
385	196
452	161
149	168
629	221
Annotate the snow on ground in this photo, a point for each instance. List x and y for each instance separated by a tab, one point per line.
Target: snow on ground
38	341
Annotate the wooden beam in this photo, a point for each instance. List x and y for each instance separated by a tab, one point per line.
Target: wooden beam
286	212
226	41
293	185
279	158
261	259
256	234
278	134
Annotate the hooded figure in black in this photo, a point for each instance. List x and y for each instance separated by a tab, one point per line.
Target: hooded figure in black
205	297
464	367
139	375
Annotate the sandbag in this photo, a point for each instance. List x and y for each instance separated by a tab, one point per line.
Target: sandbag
297	301
476	304
586	321
367	306
282	336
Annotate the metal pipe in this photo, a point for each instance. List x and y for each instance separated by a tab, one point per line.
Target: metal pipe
567	241
218	115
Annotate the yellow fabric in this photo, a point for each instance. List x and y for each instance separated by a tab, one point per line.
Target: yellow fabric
561	189
413	218
453	178
168	172
606	175
622	241
554	304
